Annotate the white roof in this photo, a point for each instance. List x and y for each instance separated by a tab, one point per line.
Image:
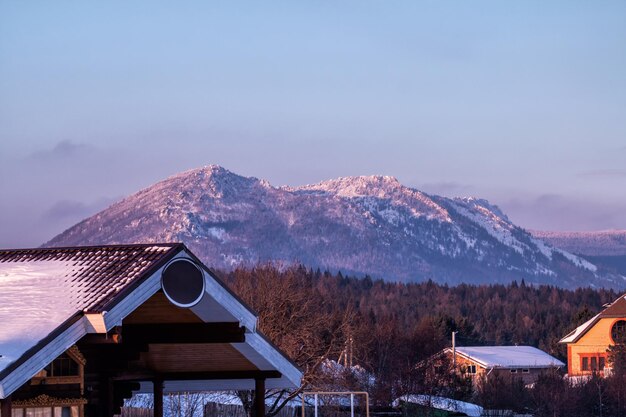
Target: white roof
508	356
49	303
579	330
37	291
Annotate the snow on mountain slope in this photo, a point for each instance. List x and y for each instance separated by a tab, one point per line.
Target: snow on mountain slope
363	225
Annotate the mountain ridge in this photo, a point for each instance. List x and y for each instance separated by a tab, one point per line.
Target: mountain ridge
364	225
596	243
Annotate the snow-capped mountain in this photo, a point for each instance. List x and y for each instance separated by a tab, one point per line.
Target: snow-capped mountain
360	225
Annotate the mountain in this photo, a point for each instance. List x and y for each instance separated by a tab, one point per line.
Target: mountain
606	249
360	225
602	243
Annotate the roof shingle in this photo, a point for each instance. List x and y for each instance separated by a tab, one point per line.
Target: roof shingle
42	288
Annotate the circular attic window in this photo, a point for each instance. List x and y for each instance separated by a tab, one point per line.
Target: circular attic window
183	283
618	332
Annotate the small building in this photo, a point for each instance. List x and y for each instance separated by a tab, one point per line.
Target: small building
82	328
587	345
525	362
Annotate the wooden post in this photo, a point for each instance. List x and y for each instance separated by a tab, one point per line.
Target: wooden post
158	397
5	407
259	397
106	388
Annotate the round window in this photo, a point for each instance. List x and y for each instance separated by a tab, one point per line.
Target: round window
618	331
183	283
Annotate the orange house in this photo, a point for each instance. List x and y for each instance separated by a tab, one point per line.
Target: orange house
587	345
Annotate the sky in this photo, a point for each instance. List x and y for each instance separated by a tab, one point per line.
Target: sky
521	103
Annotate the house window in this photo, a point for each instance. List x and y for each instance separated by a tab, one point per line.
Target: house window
618	331
513	371
62	366
471	369
71	411
525	371
593	362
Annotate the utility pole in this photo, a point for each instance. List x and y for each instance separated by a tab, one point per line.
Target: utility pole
454	350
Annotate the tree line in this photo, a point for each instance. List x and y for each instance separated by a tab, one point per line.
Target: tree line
389	327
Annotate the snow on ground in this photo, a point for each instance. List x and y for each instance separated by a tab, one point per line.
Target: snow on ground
441	403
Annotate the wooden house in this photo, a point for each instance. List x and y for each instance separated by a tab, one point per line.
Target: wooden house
587	345
81	328
524	362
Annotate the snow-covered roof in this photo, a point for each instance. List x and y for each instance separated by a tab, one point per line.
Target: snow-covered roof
40	289
441	403
614	310
580	330
51	297
508	356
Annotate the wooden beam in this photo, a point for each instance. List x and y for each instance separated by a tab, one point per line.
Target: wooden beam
147	375
259	397
158	397
5	407
101	339
183	333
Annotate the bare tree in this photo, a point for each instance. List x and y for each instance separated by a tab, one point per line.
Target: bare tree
294	318
186	404
140	401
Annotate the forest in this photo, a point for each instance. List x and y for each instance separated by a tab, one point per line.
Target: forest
388	329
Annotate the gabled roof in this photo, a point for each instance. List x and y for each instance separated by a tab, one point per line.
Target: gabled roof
40	289
616	309
51	297
507	356
578	332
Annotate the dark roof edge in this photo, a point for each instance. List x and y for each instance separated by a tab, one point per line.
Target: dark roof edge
115	245
78	247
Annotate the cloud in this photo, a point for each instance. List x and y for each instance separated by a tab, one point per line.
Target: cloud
604	173
73	210
64	214
63	150
557	212
446	188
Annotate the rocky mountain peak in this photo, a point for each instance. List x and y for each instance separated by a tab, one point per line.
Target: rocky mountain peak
374	185
370	225
212	180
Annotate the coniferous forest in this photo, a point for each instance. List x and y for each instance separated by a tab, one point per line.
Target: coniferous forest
390	328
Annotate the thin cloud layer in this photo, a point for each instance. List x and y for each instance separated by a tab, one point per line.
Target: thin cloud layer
604	173
446	188
73	211
564	213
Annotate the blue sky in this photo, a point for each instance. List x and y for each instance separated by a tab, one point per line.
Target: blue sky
522	103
